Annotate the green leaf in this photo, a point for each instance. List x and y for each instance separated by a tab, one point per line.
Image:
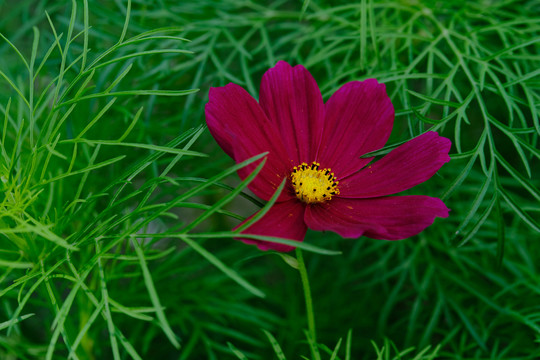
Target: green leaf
275	345
6	324
232	274
154	297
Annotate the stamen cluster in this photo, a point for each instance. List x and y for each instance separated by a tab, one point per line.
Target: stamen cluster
312	184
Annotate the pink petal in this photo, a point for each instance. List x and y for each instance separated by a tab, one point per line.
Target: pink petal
359	119
404	167
242	129
284	220
292	100
390	218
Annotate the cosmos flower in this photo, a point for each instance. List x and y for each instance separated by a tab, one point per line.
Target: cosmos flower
317	147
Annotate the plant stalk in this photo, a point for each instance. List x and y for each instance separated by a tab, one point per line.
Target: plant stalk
309	302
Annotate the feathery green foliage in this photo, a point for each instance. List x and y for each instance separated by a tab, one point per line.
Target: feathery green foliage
116	205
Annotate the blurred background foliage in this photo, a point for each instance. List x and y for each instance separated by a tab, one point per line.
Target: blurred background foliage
116	203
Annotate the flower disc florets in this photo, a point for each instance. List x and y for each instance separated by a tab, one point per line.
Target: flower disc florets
312	184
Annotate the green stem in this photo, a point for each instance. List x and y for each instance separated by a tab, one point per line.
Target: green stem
307	295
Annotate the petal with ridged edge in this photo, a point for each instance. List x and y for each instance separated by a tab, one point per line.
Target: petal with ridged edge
359	119
404	167
292	100
389	218
242	129
283	220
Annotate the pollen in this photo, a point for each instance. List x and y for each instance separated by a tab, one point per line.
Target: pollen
313	184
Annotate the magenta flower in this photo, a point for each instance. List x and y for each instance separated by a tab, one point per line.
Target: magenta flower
317	147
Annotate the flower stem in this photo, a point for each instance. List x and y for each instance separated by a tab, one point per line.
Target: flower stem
307	295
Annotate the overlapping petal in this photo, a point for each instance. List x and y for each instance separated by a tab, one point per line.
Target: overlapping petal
359	119
389	218
284	220
404	167
242	129
292	100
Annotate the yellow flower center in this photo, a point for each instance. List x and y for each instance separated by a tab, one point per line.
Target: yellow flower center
313	185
